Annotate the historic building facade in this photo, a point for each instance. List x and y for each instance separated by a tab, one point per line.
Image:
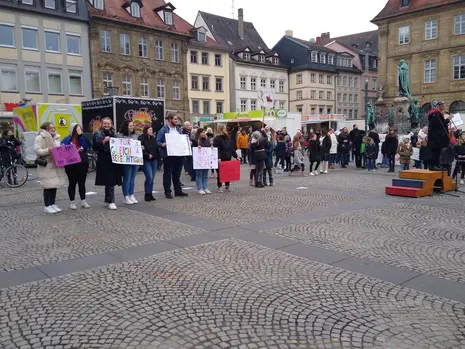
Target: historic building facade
140	50
430	37
44	52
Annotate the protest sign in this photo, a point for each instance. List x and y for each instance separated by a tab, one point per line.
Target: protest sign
230	171
126	151
66	155
205	158
457	120
178	145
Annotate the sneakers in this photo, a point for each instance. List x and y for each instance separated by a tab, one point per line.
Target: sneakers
112	206
127	201
49	210
462	181
325	172
227	189
72	205
133	199
56	208
201	192
316	173
312	174
220	190
207	191
84	204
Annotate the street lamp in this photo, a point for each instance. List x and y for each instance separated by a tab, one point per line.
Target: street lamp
366	105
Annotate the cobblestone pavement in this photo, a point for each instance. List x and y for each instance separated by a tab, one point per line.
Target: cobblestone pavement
313	262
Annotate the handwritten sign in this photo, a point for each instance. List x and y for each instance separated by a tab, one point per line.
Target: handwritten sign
178	145
126	151
205	158
66	155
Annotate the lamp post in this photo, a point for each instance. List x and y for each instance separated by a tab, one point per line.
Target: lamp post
366	105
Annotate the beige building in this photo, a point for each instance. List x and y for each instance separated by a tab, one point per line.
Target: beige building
208	76
431	39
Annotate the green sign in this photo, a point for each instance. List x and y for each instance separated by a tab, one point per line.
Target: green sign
255	114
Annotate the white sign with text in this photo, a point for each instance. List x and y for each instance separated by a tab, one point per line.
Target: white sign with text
205	158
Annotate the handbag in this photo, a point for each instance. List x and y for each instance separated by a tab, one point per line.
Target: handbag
41	161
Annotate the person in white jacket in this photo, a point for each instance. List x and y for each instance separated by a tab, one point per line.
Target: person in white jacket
333	150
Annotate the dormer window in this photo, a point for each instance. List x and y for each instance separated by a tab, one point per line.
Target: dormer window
168	17
166	13
404	3
246	56
201	37
135	10
275	60
331	59
98	4
261	59
322	58
314	57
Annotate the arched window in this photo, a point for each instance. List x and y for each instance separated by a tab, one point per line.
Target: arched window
457	107
135	9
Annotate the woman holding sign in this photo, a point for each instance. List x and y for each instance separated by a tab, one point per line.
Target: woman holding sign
151	155
51	177
77	173
129	171
225	152
201	176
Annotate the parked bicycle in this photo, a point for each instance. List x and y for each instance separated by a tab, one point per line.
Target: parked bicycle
92	160
11	171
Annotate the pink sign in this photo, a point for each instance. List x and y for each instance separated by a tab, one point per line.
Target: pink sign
66	155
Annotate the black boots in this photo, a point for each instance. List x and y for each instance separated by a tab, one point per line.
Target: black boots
149	198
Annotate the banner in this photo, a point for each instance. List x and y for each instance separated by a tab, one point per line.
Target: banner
230	171
205	158
178	145
141	111
66	155
126	151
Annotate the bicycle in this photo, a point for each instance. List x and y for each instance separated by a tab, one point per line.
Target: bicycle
92	156
15	174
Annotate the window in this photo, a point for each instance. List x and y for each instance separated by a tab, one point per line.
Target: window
127	85
247	56
299	78
55	85
459	24
320	94
218	60
345	112
98	4
30	38
312	94
322	58
193	56
299	95
356	82
195	107
431	29
161	88
312	77
219	84
321	78
430	71
350	98
344	97
329	79
404	3
219	107
243	83
351	81
201	36
143	48
8	79
243	105
321	110
373	84
459	67
168	17
314	57
253	84
299	108
328	111
338	97
344	81
331	59
105	41
329	95
124	46
135	9
73	44
144	87
339	111
404	35
174	53
52	41
261	59
176	90
71	6
206	107
275	60
272	83
263	82
107	82
7	35
32	76
75	83
205	83
28	2
195	82
350	113
355	98
282	104
50	4
159	50
205	58
312	110
253	104
281	86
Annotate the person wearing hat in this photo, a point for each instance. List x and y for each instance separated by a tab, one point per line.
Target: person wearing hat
438	137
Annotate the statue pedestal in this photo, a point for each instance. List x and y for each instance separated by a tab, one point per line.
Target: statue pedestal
402	115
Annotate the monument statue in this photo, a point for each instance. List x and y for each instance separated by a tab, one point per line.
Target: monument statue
414	111
380	94
404	84
391	116
370	116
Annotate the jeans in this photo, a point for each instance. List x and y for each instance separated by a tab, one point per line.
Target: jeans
385	161
172	172
332	158
270	175
370	164
244	153
405	167
279	160
150	169
109	194
129	179
201	179
417	164
50	196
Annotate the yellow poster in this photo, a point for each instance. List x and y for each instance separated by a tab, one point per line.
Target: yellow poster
62	115
25	119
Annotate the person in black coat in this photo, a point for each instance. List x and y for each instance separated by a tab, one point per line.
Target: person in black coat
325	142
9	143
355	138
108	174
389	148
151	155
225	152
315	154
343	147
438	137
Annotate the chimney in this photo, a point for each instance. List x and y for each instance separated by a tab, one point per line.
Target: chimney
289	33
240	23
325	38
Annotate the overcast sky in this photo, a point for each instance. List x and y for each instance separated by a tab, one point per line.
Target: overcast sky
307	18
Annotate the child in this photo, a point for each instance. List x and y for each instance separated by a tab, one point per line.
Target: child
298	159
416	156
424	153
372	151
363	154
405	152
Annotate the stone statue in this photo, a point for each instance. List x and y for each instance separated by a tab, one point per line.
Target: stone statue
414	111
380	94
370	116
391	116
404	84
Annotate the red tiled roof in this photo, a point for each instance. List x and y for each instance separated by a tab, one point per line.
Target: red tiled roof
114	11
393	8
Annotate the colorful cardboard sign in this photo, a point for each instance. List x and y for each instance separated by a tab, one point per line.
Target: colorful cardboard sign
126	151
205	158
230	171
66	155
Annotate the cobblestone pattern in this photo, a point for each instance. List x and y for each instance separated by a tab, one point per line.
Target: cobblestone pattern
425	239
29	239
227	294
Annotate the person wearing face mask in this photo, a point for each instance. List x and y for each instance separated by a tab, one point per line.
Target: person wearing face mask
108	174
129	171
51	177
77	173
